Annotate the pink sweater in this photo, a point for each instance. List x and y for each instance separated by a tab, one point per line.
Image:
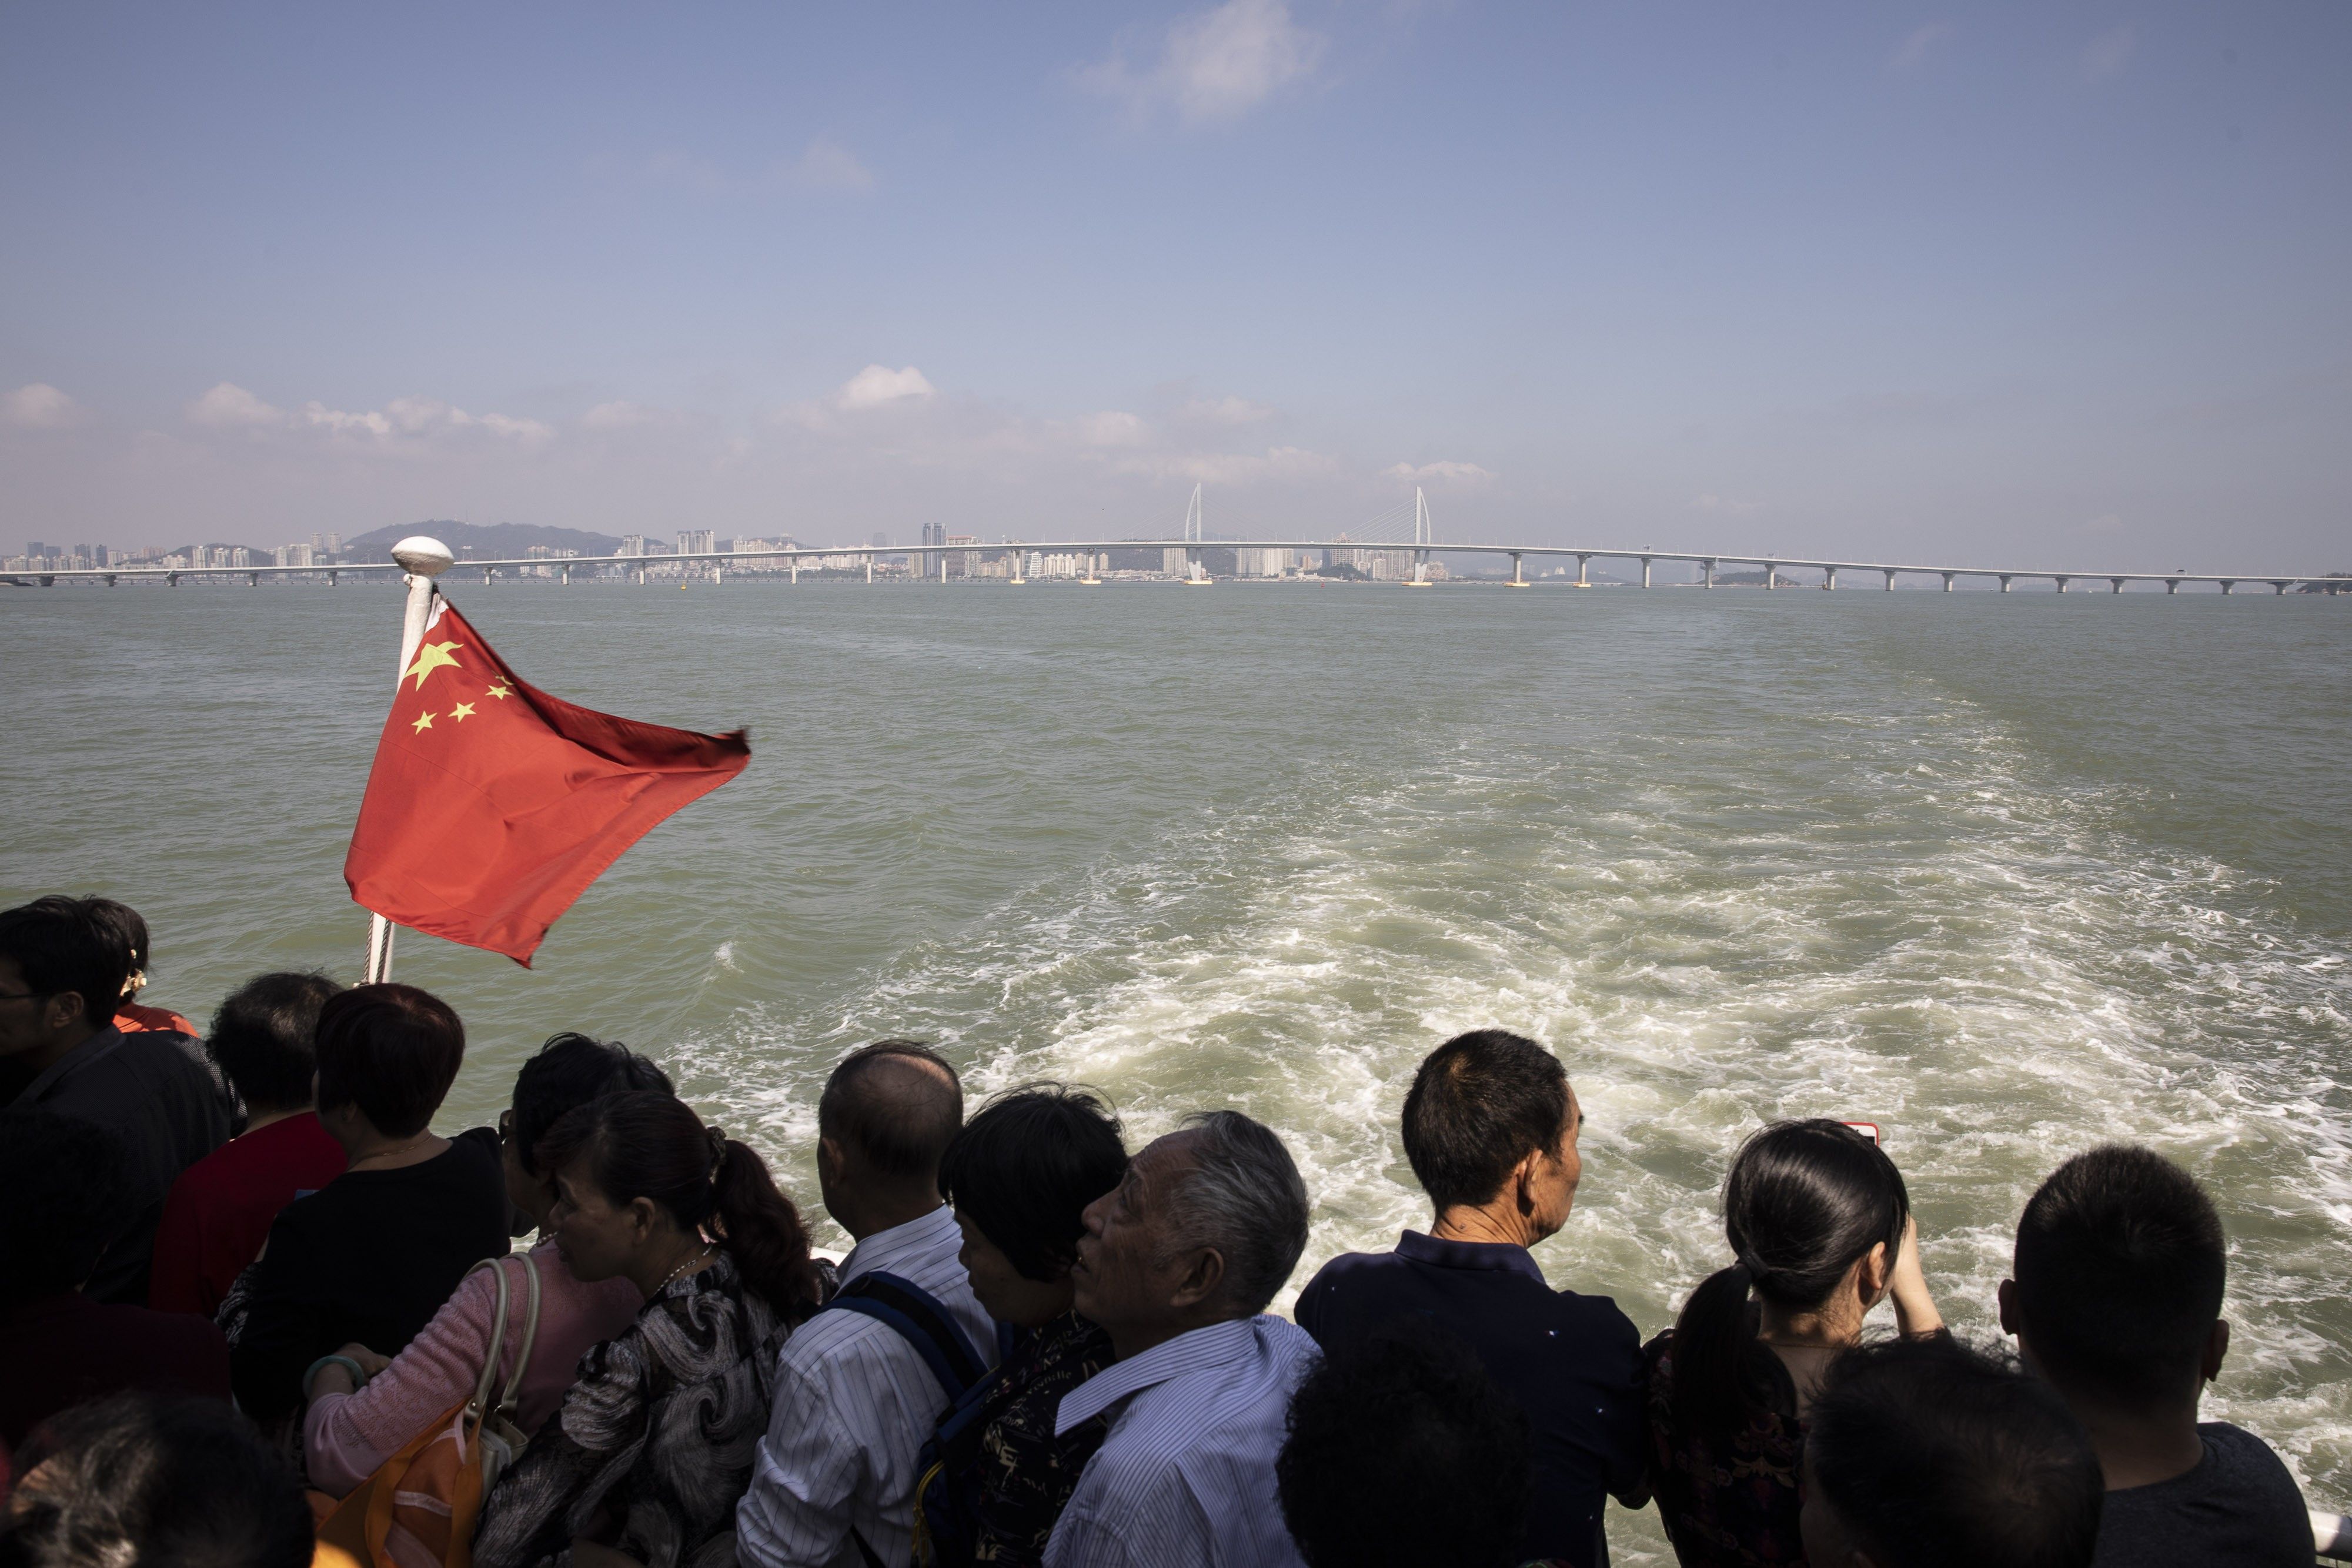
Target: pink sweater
347	1436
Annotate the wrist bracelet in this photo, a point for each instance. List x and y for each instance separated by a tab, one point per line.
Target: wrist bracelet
359	1373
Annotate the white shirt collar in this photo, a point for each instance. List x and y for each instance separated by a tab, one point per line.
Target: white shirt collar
1196	1350
889	1249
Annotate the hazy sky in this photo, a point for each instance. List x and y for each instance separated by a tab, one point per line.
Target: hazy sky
2061	283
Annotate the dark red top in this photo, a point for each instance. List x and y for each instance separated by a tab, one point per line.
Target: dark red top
63	1351
220	1210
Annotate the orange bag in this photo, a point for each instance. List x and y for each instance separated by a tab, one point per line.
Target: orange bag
421	1507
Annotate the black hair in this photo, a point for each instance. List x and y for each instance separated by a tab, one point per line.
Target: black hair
1401	1452
130	923
567	1072
1803	1201
68	944
393	1050
147	1479
1934	1456
264	1037
2120	1267
1480	1103
649	1144
1026	1166
68	1198
894	1104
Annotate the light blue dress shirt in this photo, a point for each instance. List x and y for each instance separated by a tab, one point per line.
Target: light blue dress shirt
1186	1477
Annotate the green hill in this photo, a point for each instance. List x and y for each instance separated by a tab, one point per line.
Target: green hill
499	541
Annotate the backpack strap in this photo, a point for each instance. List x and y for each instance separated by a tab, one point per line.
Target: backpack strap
529	1334
920	1321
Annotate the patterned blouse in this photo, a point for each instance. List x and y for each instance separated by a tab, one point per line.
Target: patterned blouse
654	1445
1735	1507
1027	1473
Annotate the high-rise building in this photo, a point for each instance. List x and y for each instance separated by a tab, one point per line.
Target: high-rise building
881	540
697	541
633	543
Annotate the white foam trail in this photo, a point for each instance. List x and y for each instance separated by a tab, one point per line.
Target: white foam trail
1905	924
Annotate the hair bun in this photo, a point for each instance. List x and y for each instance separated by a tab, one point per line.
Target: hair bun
718	1138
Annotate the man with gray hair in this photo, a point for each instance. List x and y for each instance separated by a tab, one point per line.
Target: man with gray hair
1178	1263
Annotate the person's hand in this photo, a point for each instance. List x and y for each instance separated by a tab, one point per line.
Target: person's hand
370	1361
1915	1308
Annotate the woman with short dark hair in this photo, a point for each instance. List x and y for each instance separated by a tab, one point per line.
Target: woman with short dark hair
365	1407
220	1210
372	1256
655	1444
1820	1227
1020	1176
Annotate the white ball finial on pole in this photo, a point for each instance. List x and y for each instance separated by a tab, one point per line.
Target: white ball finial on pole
422	559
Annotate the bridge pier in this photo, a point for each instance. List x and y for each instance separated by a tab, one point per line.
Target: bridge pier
109	579
1890	583
641	577
717	574
2226	586
2171	585
2062	585
1584	572
2278	588
330	580
1519	570
171	580
796	569
1947	582
1829	580
2118	582
253	580
869	569
1646	571
1707	572
1771	576
2004	582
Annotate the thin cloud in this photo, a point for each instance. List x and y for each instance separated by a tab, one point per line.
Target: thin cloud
228	407
40	406
1723	505
1215	64
1913	52
2109	53
1440	472
1227	410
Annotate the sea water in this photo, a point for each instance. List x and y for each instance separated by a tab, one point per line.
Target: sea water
2005	875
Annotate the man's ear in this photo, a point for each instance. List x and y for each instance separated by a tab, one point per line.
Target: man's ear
2217	1349
1523	1181
1204	1278
64	1010
2005	1298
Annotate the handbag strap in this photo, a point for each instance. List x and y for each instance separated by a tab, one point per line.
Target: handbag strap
479	1405
530	1335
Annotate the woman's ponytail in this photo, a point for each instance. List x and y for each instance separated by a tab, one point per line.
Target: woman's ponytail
760	1229
1714	1336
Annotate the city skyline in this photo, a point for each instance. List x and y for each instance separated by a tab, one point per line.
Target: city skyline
1863	283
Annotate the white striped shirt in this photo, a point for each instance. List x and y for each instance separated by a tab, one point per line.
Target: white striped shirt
854	1404
1186	1477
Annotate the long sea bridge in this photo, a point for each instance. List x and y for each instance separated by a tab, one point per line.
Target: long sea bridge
1189	553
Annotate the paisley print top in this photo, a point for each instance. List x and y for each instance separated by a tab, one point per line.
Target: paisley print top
654	1445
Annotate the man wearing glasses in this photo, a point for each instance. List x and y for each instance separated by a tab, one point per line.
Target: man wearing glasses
62	968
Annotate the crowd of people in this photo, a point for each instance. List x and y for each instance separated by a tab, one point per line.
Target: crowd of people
256	1312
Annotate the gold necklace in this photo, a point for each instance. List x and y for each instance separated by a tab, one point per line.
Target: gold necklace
684	1265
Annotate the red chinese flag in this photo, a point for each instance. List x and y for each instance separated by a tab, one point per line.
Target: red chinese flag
493	805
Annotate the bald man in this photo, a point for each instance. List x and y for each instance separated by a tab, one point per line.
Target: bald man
856	1396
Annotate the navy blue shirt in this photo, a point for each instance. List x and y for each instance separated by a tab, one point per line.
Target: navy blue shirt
1573	1363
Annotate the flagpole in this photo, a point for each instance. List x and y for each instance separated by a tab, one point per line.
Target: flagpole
423	558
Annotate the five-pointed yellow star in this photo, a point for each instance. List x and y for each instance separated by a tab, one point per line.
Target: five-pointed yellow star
462	712
424	722
431	656
501	691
